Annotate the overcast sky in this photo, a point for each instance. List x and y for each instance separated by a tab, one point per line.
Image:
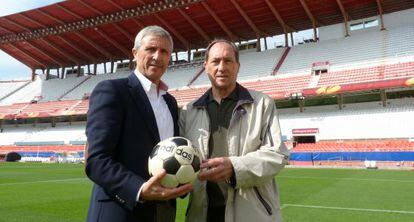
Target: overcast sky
10	68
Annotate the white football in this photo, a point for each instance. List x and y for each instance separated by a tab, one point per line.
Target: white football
178	157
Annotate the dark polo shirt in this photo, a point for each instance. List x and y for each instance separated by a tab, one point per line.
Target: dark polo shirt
220	115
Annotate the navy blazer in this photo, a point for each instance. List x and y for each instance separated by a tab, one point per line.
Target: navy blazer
121	131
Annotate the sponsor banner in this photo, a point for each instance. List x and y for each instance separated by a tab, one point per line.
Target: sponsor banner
324	63
305	131
336	89
278	95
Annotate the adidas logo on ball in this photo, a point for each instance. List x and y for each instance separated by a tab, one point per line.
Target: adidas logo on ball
178	157
184	154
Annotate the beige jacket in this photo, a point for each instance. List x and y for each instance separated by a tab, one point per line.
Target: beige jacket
255	150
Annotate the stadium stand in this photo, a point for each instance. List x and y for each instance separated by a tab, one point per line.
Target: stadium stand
355	121
45	109
24	94
367	74
90	83
253	65
179	76
9	87
28	134
359	49
54	89
356	146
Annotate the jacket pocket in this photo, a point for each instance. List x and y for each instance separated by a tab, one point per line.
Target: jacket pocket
263	201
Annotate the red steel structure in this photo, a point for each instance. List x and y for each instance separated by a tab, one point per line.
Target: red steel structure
80	32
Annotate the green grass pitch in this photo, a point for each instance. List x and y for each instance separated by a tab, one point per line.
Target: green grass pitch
60	192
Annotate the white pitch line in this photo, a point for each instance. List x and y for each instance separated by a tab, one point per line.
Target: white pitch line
347	208
43	181
356	179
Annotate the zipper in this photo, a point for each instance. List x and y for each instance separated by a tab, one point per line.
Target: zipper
263	201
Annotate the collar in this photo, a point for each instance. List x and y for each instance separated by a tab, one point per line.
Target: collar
233	95
243	96
148	85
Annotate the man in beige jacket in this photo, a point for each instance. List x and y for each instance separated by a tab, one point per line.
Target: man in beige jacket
238	132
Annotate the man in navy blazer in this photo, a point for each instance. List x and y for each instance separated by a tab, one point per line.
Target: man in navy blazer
126	119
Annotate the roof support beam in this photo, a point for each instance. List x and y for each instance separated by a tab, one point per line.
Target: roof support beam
33	74
20	60
32	20
7	29
87	55
115	43
90	7
143	10
286	40
60	50
45	42
50	16
313	20
94	45
218	20
51	44
35	46
47	74
83	37
17	24
69	11
195	26
115	4
380	14
30	56
177	34
344	14
41	51
275	13
103	34
134	20
78	71
248	20
90	57
138	23
119	28
124	32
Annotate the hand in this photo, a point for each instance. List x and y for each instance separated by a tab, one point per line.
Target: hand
216	169
153	190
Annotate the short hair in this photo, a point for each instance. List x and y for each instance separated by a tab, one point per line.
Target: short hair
233	46
152	30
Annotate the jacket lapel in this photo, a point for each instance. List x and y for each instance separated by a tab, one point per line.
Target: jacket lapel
143	104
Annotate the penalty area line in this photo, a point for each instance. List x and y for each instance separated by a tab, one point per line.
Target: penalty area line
347	208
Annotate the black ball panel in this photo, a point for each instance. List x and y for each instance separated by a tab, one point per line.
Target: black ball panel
196	163
154	151
171	165
180	141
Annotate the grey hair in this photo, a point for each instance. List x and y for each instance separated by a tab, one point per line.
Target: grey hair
215	41
152	30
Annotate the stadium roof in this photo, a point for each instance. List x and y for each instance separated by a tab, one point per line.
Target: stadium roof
80	32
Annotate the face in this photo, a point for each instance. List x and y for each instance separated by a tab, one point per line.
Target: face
221	66
153	57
